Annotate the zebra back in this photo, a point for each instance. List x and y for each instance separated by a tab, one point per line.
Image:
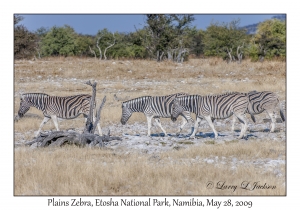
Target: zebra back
161	105
67	107
224	105
217	106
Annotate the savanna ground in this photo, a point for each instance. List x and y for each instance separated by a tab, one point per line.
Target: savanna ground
157	165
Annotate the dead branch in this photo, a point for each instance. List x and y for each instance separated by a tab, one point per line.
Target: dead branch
97	44
229	54
239	53
59	138
98	114
89	123
93	52
110	45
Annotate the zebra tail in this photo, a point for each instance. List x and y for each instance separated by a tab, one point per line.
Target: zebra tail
213	119
281	112
253	118
282	115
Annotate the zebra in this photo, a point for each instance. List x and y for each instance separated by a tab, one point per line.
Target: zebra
212	106
153	107
263	101
54	107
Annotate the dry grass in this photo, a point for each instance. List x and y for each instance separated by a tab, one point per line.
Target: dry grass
82	171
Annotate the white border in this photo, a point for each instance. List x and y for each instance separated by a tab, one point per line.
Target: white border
8	201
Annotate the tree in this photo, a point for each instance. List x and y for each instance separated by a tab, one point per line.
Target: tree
40	34
269	40
226	40
17	19
82	43
24	40
59	41
197	47
104	41
164	36
128	45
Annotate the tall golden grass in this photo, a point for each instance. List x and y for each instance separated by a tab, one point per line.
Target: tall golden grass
81	171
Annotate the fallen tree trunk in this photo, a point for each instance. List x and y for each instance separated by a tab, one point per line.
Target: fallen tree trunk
59	138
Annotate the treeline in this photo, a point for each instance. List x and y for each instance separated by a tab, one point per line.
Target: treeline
164	37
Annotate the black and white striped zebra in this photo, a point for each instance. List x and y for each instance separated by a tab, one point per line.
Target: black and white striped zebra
54	107
263	101
212	106
153	107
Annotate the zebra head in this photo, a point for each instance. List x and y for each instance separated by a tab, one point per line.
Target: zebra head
126	113
24	107
176	109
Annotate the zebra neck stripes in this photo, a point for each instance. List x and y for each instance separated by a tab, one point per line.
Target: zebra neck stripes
137	104
34	99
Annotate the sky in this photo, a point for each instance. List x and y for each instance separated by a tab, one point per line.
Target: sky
92	23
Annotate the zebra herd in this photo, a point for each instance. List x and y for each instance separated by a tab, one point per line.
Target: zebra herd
209	107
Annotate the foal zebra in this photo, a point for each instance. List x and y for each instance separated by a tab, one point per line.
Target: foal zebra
153	107
212	106
68	107
263	101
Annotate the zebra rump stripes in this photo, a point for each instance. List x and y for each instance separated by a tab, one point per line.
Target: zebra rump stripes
263	101
153	107
212	106
68	107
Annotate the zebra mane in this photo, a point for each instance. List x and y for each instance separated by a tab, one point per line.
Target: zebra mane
252	92
136	99
22	96
225	94
178	94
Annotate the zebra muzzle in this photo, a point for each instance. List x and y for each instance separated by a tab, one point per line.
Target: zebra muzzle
173	119
17	117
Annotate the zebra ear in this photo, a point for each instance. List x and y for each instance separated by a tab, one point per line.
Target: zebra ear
175	101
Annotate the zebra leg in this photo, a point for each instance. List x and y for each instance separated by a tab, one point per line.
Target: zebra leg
242	119
233	123
184	122
273	120
157	120
45	120
186	118
197	123
208	119
149	118
54	118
